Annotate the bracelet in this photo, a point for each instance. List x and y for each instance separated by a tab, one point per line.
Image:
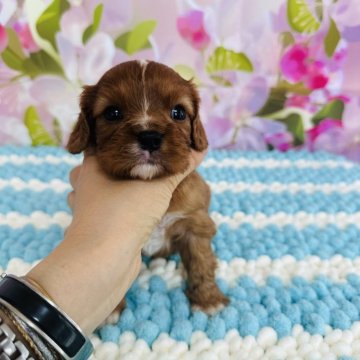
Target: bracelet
10	347
42	315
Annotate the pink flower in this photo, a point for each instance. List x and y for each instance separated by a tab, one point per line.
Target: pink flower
293	63
191	28
323	127
280	141
3	38
299	101
25	36
316	77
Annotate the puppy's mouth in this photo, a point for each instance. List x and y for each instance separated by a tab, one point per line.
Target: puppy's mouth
147	166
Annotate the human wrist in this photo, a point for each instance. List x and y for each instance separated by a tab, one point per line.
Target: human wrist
42	320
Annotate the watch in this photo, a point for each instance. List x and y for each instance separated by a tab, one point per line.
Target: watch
43	316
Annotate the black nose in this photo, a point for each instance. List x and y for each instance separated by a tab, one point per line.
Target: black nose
150	140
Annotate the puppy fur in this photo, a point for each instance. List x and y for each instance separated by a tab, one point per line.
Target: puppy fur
145	93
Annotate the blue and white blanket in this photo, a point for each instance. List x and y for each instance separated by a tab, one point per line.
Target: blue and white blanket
288	248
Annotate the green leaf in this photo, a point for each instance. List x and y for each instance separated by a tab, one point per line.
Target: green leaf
13	55
48	24
300	17
332	39
332	110
187	73
223	59
41	63
287	38
319	9
91	29
137	39
37	131
57	131
274	103
295	126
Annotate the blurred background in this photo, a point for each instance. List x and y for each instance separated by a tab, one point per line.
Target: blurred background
280	74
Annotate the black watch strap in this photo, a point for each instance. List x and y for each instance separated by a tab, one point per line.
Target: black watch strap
45	317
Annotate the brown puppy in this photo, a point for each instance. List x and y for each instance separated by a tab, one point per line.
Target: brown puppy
142	119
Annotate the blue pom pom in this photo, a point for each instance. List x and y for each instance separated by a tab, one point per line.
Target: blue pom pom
267	291
330	302
216	328
283	296
314	324
280	323
246	282
253	296
141	296
143	312
293	313
223	285
199	320
271	304
177	295
306	306
159	300
180	310
146	330
231	317
237	293
340	320
261	314
181	330
162	318
241	306
127	320
321	289
248	324
323	310
349	309
31	255
110	333
157	284
354	280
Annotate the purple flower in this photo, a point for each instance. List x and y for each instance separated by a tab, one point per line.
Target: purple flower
280	141
326	125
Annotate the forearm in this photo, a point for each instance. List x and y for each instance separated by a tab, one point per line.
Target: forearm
81	257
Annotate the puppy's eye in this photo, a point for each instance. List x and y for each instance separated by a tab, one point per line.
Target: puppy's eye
113	113
178	113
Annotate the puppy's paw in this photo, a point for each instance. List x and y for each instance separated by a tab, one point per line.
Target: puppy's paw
207	298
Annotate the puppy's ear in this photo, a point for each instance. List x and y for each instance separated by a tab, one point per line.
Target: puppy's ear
198	136
83	134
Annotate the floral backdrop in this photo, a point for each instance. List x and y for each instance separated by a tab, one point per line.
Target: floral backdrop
279	74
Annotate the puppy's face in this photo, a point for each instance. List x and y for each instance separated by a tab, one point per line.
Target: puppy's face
141	119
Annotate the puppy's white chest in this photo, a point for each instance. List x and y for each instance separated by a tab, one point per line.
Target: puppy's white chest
157	239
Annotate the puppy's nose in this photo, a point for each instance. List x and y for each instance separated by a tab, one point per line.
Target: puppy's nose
150	140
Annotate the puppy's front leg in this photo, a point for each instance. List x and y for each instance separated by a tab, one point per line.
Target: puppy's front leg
192	236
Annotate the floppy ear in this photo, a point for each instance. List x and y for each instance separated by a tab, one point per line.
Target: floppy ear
198	136
83	134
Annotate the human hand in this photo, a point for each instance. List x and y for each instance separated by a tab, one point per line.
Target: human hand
90	271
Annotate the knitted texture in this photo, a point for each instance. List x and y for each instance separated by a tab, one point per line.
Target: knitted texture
288	249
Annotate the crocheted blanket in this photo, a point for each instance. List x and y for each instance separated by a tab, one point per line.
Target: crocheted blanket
288	249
